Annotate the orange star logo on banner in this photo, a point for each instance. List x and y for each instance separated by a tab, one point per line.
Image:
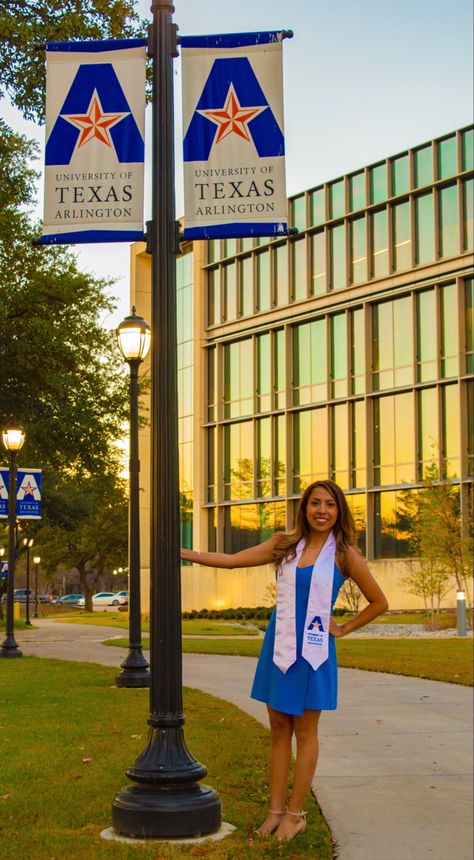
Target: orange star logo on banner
232	118
95	124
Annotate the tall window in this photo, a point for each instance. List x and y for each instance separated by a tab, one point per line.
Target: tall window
230	290
263	281
426	335
394	454
358	444
469	317
281	274
299	269
317	207
310	362
423	166
449	331
357	330
428	433
214	296
450	415
337	206
264	458
184	296
401	236
263	373
280	370
357	196
358	250
338	330
337	251
424	228
246	286
400	175
239	461
310	436
318	241
298	212
247	525
378	183
391	538
392	344
468	215
379	239
340	444
447	157
238	378
279	455
448	221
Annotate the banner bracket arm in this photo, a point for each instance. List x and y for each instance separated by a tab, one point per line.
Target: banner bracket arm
287	34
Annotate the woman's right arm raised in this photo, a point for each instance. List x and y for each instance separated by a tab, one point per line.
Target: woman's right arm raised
251	557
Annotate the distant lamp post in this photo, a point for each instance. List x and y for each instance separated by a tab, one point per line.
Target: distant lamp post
134	337
36	562
28	543
13	439
461	613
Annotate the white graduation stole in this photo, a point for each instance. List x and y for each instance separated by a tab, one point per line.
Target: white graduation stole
316	633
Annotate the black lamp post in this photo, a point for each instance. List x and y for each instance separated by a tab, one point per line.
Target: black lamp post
166	800
28	543
13	439
133	335
36	562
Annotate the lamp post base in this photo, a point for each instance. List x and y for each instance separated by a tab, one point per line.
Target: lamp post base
166	812
10	648
135	670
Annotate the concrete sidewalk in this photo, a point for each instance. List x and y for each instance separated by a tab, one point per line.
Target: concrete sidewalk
394	778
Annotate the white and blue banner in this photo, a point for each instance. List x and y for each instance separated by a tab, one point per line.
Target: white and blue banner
28	493
234	146
95	141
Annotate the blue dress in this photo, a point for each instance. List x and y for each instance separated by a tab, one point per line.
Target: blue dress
301	687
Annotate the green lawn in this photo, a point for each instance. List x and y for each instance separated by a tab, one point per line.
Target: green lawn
67	736
193	626
438	659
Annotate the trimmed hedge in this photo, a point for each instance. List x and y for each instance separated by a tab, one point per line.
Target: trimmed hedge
246	613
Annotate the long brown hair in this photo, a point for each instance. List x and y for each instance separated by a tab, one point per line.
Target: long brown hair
344	528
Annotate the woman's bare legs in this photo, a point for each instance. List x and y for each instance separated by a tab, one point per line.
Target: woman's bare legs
281	726
307	748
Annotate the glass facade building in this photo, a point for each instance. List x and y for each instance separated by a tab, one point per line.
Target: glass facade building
342	351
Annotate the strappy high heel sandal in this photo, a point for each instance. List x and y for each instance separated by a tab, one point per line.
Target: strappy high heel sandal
300	828
280	813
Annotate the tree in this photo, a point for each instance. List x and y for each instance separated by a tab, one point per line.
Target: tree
432	518
26	24
62	376
86	529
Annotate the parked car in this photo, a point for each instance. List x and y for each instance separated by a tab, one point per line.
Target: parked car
69	599
104	598
123	594
19	596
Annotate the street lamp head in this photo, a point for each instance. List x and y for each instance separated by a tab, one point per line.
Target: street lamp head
2	551
28	542
134	337
13	438
36	559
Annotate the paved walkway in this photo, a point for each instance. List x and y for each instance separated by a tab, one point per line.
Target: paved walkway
394	779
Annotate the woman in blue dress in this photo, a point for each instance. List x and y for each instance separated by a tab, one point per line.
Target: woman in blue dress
296	674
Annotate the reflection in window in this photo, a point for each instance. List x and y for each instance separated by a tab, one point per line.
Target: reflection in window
401	236
468	149
337	206
392	537
358	444
263	373
424	228
340	444
358	250
468	215
281	274
337	251
317	207
186	519
239	461
394	456
211	530
246	286
392	344
470	428
230	247
448	221
299	269
279	457
469	316
447	158
378	183
211	465
428	435
213	250
357	351
338	355
356	503
238	378
311	460
426	329
280	370
451	430
264	460
213	296
318	241
298	212
310	362
400	175
379	239
357	191
449	329
247	525
263	281
211	384
230	291
423	166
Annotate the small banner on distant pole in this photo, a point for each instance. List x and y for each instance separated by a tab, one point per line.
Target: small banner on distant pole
28	493
234	146
95	131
